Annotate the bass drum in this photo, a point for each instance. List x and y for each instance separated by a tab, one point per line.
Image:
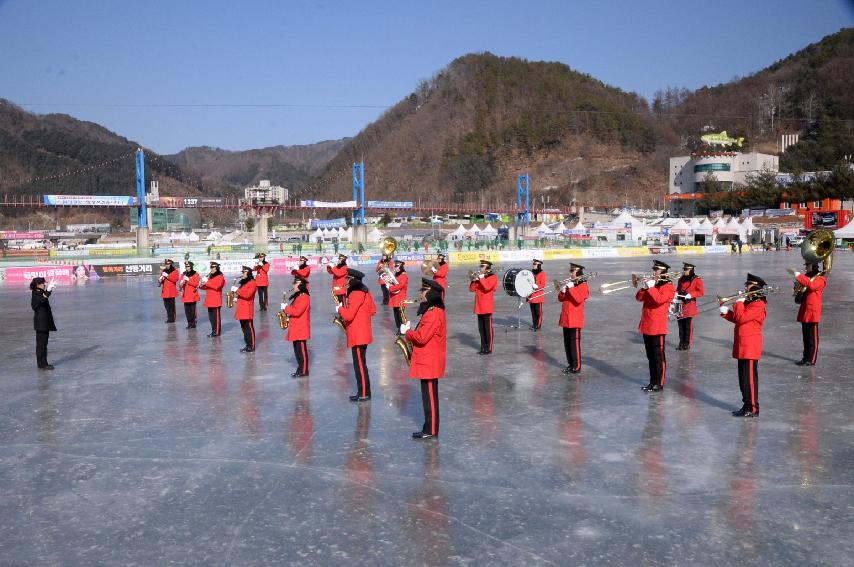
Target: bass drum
519	283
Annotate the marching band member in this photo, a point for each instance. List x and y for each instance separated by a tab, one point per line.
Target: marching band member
536	299
689	289
169	288
440	274
656	294
483	286
190	293
572	297
213	284
42	319
397	292
298	310
748	314
357	315
302	271
383	262
245	312
428	353
339	278
809	313
262	267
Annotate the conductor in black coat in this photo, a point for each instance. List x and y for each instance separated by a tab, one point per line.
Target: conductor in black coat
42	319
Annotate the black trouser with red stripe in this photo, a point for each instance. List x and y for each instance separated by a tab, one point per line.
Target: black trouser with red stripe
190	313
748	381
385	294
169	304
360	366
484	327
572	346
214	317
430	401
654	345
398	320
262	297
301	354
536	315
248	326
686	331
810	333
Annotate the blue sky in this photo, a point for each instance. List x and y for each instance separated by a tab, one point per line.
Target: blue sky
128	66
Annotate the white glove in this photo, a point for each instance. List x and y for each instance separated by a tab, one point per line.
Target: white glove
481	276
338	308
257	262
284	305
162	275
569	285
185	279
724	309
405	327
796	274
234	288
740	300
51	285
203	281
563	288
648	284
687	296
434	270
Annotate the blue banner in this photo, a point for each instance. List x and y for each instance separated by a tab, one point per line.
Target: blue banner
329	223
390	204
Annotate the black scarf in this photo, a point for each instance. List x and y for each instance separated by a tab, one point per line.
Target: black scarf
189	273
293	297
246	280
214	274
434	299
688	279
356	285
169	270
341	263
536	271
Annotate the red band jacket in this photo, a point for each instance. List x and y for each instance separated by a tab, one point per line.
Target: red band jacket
441	276
397	293
696	289
339	278
484	292
299	327
190	291
572	306
245	301
429	341
656	303
213	287
357	316
261	278
169	286
810	310
747	335
302	273
541	281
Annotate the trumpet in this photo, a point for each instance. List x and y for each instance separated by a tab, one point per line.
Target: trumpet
229	295
401	342
284	319
635	281
336	319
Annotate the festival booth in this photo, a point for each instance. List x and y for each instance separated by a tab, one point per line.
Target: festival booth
474	232
458	234
489	232
679	232
374	235
845	234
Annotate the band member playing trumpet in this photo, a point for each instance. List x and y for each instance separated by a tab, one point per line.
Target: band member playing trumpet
428	341
572	296
689	288
298	310
245	312
339	278
809	313
169	288
42	318
262	280
656	293
382	263
302	271
748	314
357	315
190	293
397	292
536	299
213	284
483	286
440	273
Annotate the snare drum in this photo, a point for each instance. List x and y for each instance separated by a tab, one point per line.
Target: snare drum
519	283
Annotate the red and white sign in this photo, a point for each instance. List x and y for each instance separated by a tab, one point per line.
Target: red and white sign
285	265
15	235
63	274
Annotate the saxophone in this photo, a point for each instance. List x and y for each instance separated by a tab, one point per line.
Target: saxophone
284	318
336	319
400	341
229	295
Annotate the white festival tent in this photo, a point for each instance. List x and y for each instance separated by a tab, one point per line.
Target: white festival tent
846	231
214	236
317	234
560	229
489	231
543	230
625	220
474	231
458	234
375	235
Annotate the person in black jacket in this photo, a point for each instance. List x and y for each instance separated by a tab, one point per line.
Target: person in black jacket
42	319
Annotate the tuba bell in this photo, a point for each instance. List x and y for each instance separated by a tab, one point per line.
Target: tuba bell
817	248
387	246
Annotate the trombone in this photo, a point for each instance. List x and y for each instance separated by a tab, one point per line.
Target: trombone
635	281
558	284
729	299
